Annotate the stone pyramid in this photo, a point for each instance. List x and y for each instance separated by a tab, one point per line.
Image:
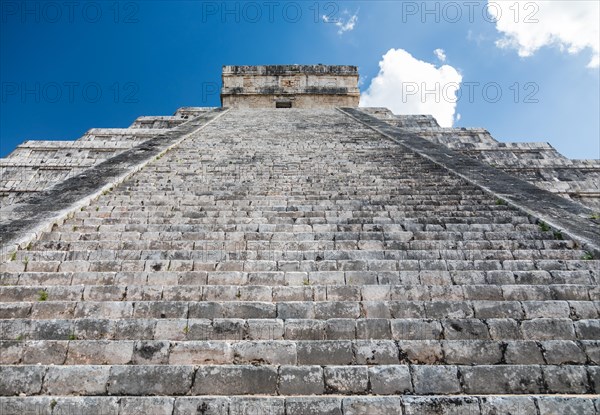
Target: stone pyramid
289	253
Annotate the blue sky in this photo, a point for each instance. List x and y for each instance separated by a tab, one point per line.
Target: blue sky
151	57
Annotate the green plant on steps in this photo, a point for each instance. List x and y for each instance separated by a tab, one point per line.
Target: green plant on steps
544	227
42	295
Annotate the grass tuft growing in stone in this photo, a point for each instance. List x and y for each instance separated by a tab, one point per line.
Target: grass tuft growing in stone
587	256
544	227
42	295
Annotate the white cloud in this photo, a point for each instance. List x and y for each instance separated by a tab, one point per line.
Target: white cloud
440	54
527	26
343	25
407	85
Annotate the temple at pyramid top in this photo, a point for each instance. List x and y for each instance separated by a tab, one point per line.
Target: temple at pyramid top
290	86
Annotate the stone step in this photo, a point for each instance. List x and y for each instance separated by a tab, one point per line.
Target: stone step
289	221
201	327
383	206
303	405
253	228
477	213
546	284
335	198
209	218
126	243
480	214
224	287
307	250
320	310
300	352
244	230
274	380
320	221
308	260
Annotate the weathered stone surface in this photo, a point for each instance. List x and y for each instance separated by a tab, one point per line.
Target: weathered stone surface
149	405
150	352
561	352
522	353
100	352
390	380
44	352
325	353
560	405
280	353
305	406
208	405
439	380
346	379
421	351
376	352
566	379
502	379
466	352
372	406
150	380
301	380
235	380
16	380
76	380
262	405
506	405
440	405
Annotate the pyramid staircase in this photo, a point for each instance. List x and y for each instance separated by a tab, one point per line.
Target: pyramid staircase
299	262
